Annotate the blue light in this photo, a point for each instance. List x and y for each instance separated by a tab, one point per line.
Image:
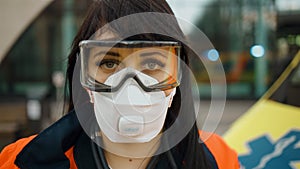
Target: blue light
257	51
213	55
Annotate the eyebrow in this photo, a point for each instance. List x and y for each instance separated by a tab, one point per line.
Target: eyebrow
152	53
107	53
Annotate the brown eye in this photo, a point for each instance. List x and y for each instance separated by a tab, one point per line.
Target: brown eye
108	65
152	64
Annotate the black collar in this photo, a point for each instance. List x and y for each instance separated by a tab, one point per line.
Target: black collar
47	149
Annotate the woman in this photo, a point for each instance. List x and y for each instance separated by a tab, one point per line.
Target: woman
139	57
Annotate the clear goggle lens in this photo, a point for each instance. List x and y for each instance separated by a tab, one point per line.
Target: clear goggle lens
155	65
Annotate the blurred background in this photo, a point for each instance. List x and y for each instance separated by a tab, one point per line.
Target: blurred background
255	40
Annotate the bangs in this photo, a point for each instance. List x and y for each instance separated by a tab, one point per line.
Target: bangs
150	37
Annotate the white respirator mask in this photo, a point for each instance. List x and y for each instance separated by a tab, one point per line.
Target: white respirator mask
131	115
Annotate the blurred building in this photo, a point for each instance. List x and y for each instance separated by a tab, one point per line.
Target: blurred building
33	63
253	39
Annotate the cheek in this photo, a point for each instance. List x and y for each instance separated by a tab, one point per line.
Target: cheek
95	72
167	92
170	91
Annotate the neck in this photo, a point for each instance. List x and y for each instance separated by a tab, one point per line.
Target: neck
129	155
121	162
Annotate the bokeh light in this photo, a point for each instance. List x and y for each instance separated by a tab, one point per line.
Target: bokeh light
213	55
257	51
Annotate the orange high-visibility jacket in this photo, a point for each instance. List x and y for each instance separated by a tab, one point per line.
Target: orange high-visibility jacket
56	148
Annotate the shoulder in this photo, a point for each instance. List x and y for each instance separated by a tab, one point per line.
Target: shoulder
223	154
9	153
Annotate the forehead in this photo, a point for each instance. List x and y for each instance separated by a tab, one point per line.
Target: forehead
125	52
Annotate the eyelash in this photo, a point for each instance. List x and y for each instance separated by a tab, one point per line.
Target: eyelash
101	63
143	63
159	63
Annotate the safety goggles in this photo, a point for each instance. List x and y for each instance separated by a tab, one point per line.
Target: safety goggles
154	65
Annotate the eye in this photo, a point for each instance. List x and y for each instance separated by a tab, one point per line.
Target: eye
108	65
152	64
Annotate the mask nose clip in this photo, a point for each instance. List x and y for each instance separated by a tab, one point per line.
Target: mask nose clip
129	73
131	93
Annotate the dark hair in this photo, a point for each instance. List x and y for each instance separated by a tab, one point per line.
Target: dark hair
105	11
